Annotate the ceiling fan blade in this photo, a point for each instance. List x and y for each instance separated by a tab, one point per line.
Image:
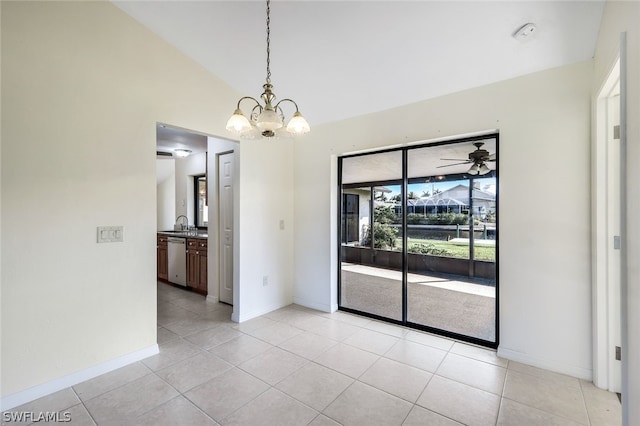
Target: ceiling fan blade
492	157
454	164
492	161
455	159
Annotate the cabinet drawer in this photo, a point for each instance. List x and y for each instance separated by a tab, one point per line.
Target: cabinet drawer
162	240
198	243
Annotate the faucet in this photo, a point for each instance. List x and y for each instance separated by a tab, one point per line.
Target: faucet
182	227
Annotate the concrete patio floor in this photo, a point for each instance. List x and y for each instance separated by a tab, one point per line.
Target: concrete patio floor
454	305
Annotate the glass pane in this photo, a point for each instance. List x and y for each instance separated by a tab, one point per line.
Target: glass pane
371	235
451	280
484	213
384	166
203	210
446	160
438	218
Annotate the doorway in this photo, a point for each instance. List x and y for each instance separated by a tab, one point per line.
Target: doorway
419	237
188	186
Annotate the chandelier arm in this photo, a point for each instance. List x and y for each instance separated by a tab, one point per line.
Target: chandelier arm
254	115
247	97
290	100
279	111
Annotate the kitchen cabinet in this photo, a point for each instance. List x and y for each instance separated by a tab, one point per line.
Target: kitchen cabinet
163	259
197	264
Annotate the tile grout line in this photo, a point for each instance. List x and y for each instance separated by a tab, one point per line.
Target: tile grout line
84	406
584	402
180	394
115	388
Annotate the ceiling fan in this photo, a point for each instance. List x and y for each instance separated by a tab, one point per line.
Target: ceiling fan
477	159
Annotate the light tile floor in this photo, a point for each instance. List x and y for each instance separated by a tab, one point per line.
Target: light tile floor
296	366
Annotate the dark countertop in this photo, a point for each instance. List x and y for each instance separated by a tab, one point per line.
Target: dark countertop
185	234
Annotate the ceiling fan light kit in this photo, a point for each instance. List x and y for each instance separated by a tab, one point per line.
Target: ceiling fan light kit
267	120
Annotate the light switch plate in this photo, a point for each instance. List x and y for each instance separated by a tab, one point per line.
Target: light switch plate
110	234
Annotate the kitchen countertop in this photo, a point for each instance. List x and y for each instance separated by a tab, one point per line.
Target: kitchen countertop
185	234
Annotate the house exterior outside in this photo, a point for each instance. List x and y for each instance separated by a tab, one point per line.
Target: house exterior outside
454	200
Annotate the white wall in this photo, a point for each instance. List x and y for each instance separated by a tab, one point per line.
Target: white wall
622	16
266	198
83	86
543	119
166	190
96	82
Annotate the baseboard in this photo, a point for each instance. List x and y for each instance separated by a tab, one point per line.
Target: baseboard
19	398
547	364
212	299
235	317
323	307
242	317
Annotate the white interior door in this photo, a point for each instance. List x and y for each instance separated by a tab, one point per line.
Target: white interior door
614	235
225	215
607	237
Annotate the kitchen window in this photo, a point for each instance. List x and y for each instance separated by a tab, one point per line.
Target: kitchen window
202	209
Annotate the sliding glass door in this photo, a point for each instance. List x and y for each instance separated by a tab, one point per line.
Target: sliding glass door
418	237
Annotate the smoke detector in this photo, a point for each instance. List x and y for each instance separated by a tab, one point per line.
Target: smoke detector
525	32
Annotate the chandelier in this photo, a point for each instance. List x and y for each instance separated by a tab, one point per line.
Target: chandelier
267	120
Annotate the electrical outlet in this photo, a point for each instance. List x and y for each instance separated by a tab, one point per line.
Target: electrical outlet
265	281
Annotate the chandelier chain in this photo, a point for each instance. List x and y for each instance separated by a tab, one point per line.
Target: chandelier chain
268	41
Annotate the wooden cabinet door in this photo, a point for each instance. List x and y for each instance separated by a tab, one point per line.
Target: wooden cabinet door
192	268
163	259
197	264
202	271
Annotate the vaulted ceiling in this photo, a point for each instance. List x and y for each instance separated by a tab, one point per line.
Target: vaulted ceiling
340	59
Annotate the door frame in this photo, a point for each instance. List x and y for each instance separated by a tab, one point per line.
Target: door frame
404	182
607	308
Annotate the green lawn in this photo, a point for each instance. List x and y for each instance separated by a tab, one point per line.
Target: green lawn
462	252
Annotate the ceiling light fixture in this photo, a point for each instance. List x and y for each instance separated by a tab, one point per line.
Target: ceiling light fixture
267	120
182	153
